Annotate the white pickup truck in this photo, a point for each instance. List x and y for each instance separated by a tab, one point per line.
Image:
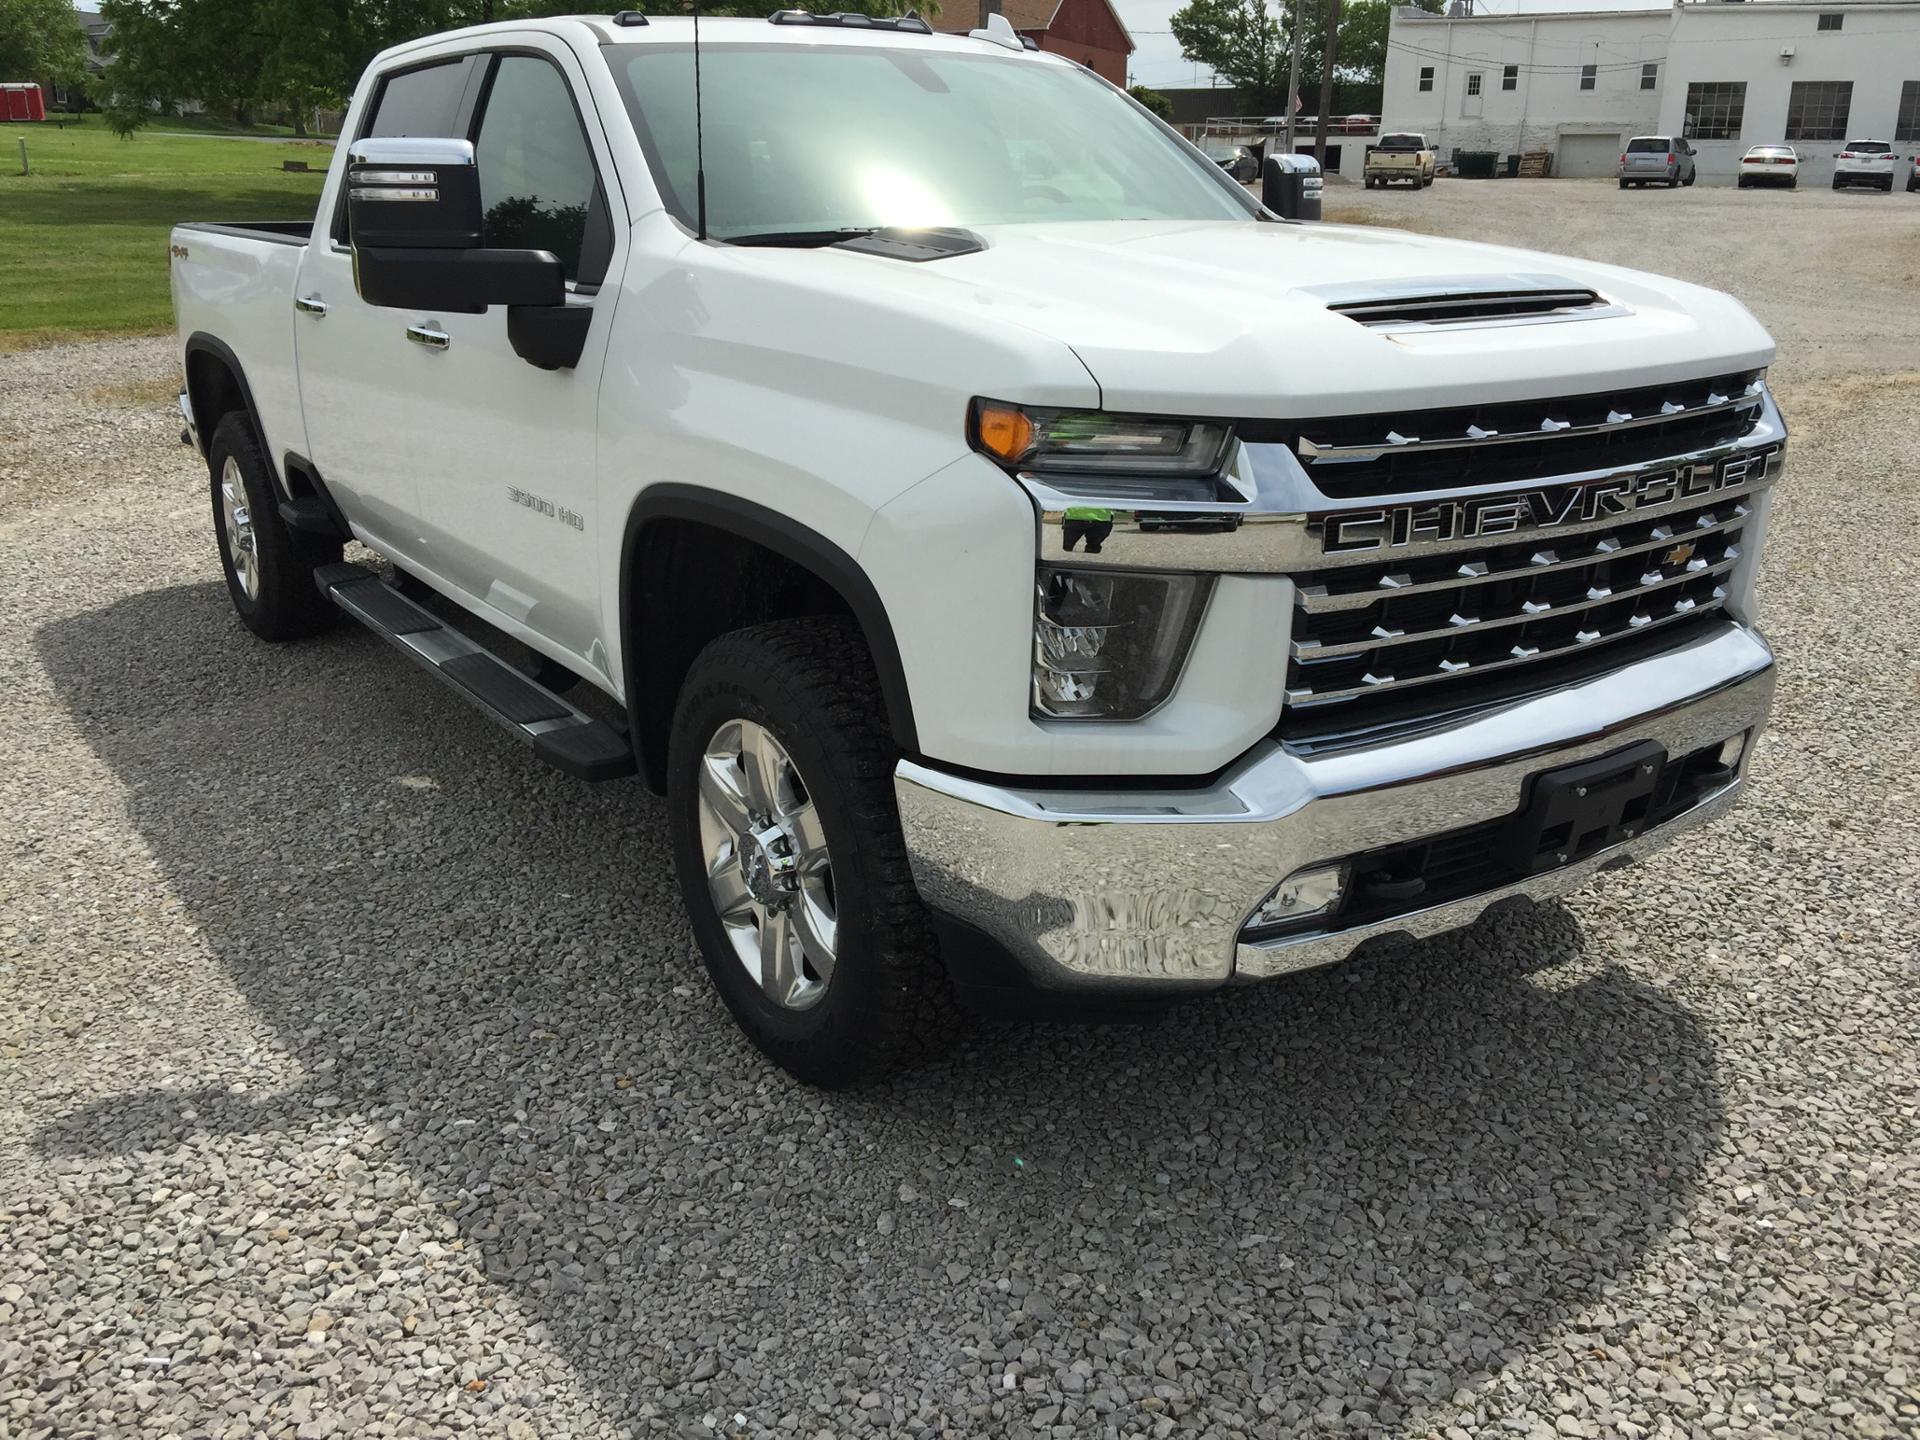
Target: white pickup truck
1401	155
800	394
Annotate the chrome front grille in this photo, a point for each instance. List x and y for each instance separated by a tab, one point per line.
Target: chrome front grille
1449	618
1519	441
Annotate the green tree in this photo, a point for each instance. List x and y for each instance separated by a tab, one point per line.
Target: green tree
1242	42
1248	44
1153	100
41	40
238	57
1363	38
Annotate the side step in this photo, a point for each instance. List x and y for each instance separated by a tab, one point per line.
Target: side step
566	738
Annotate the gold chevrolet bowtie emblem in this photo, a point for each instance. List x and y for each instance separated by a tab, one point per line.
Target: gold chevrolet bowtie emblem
1680	554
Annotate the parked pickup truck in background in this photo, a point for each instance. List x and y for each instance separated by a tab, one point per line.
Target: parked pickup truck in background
806	450
1402	156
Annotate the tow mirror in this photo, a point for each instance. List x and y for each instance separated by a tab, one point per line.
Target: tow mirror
413	193
418	232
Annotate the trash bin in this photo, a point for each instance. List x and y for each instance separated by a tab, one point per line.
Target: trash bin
1513	167
1290	186
1475	164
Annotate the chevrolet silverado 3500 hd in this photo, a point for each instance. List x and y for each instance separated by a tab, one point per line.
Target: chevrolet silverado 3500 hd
807	410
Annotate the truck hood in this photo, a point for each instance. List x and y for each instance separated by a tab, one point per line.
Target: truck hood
1231	318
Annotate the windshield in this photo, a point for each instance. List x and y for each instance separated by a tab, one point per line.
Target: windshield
819	138
1648	145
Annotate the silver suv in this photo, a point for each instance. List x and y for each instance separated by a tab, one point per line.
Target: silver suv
1657	160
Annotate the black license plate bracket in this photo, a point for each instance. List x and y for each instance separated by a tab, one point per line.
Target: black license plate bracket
1574	811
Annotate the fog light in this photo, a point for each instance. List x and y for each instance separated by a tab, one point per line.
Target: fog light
1732	750
1108	645
1317	890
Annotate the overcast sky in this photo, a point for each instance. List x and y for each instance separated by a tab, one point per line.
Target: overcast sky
1156	58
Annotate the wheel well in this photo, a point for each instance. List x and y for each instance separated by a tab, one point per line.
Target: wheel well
690	581
213	389
216	387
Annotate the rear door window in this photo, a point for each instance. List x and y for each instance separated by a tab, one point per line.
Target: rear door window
1648	145
1869	147
421	102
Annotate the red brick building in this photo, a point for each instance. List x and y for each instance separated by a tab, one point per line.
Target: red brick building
1085	30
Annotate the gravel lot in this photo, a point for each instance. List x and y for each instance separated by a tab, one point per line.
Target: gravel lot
357	1077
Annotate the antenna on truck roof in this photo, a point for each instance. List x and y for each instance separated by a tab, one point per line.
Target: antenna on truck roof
699	138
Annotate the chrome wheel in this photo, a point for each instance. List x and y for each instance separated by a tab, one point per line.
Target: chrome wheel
243	545
768	870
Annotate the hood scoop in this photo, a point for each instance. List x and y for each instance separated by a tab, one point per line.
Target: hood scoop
1486	300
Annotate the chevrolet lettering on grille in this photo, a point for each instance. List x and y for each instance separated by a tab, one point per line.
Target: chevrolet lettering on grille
1473	517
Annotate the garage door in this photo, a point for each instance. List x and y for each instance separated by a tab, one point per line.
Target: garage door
1581	156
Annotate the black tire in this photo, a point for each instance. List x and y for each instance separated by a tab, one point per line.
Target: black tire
1836	183
1688	182
284	603
1741	183
1623	184
811	684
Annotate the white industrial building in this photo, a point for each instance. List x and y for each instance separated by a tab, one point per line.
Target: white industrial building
1725	73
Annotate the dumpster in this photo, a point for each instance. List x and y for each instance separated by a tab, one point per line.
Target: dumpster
1475	164
1513	167
1290	186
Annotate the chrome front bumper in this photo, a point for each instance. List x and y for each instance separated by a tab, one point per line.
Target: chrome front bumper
1139	891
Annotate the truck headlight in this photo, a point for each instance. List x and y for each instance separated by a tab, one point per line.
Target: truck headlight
1095	443
1109	644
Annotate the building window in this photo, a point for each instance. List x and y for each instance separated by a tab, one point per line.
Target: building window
1587	74
1907	126
1510	77
1817	109
1649	75
1473	84
1426	77
1831	20
1715	109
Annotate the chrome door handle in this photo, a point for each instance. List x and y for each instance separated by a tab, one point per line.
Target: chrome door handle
429	337
311	304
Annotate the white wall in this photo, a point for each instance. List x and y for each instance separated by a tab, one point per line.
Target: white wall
1877	47
1546	101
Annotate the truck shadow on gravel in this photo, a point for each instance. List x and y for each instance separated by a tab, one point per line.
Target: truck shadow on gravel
1369	1186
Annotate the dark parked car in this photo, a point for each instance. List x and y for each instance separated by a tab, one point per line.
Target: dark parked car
1236	160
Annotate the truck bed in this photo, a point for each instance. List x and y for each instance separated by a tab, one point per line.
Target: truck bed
233	284
277	232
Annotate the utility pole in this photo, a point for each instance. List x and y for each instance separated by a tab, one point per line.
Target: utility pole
1327	56
1293	75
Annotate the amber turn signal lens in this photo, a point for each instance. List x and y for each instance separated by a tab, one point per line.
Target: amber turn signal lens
1004	432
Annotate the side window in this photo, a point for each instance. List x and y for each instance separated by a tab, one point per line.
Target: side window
420	102
538	188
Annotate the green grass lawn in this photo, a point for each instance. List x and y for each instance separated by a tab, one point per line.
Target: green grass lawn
83	240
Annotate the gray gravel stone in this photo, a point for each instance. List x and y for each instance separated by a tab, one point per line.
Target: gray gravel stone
357	1076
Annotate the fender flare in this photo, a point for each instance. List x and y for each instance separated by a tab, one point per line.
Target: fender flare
201	343
791	540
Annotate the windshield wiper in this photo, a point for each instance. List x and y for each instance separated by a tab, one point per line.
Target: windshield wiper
802	239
